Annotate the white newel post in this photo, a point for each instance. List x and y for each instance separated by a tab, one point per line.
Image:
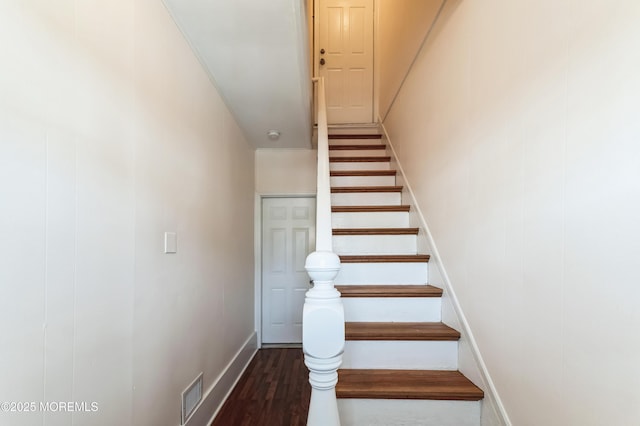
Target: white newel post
323	337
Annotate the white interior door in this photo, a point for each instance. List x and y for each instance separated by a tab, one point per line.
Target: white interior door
344	57
288	236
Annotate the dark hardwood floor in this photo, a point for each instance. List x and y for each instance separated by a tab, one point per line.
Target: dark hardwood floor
273	391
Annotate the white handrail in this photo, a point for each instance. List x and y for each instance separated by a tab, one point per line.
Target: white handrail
323	313
323	200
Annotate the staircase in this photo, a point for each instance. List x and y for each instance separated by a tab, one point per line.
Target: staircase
400	361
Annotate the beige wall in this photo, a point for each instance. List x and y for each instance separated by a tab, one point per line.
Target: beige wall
518	130
286	171
402	26
110	135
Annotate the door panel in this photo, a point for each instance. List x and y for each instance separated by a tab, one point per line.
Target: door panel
346	35
357	30
288	236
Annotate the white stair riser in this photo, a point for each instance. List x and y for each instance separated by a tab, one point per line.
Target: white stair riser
383	273
355	141
358	153
368	165
392	309
400	355
375	244
366	199
363	180
370	220
408	412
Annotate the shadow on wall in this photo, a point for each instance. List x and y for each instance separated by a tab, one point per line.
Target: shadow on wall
404	26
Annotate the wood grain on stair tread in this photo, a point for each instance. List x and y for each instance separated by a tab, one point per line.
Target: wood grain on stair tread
375	231
350	189
358	136
369	209
385	258
399	331
368	159
357	147
389	290
406	384
335	173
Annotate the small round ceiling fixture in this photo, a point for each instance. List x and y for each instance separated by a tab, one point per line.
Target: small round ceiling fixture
273	135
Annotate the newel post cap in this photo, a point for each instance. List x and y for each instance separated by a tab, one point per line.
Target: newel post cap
322	265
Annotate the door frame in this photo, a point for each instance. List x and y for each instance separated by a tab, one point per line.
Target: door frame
257	247
376	61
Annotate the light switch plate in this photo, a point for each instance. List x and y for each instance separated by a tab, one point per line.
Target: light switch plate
170	242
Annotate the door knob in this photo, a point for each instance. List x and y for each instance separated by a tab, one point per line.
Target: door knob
322	51
322	61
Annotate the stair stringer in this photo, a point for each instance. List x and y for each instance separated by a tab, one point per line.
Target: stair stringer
470	361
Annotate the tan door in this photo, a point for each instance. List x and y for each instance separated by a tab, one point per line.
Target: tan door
288	236
344	57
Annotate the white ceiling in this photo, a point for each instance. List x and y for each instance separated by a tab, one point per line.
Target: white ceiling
256	52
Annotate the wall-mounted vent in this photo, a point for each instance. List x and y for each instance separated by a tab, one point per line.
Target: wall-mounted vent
191	397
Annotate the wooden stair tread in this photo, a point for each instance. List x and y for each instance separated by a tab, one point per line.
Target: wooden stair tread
349	189
385	258
389	290
358	136
363	173
406	384
368	159
375	231
399	331
369	209
356	147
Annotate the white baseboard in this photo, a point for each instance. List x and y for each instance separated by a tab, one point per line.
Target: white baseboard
493	411
220	390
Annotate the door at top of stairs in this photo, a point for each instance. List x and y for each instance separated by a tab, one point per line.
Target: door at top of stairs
343	55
